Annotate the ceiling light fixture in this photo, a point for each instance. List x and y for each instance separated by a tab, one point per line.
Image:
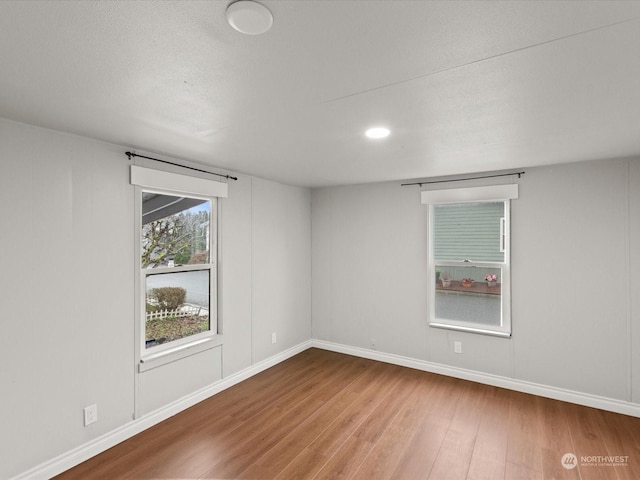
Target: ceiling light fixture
248	17
378	132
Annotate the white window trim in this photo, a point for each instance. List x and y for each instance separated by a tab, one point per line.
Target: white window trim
176	183
495	193
472	195
156	181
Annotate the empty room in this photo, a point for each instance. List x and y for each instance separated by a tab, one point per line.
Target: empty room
320	239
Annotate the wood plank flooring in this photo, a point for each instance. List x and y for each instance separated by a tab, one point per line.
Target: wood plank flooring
324	415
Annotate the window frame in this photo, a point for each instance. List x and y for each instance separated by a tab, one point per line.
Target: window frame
498	193
168	183
211	266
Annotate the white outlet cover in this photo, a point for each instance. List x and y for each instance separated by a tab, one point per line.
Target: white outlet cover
90	415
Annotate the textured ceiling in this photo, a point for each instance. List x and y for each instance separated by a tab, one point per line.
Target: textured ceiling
464	86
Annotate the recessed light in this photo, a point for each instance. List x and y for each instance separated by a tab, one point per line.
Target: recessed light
248	17
378	132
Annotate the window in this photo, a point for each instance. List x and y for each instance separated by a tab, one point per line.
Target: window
177	225
177	259
469	258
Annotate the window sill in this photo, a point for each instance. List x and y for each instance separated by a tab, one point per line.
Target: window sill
154	360
469	329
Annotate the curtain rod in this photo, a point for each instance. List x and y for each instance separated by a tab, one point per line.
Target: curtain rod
463	179
131	154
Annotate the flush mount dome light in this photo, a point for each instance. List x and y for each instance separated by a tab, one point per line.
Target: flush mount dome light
378	132
248	17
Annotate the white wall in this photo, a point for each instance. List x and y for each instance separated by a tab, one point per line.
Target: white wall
575	243
65	256
634	277
67	277
572	224
368	268
281	253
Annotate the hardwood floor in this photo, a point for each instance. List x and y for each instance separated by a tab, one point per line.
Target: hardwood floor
325	415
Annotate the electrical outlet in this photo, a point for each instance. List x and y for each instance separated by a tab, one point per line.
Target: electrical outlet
273	337
90	415
374	344
457	347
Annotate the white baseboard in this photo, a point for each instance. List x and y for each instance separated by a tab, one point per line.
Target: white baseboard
579	398
90	449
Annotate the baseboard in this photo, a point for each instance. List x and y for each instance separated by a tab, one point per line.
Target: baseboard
90	449
579	398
